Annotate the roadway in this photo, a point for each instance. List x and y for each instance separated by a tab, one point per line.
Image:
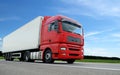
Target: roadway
58	68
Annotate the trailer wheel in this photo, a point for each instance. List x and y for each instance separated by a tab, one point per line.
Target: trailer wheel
6	57
10	57
70	61
22	57
48	56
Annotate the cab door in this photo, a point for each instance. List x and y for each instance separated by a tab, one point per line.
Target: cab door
53	28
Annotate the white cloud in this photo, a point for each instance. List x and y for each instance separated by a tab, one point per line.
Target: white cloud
9	18
0	44
97	51
101	52
98	32
117	35
92	7
118	44
0	39
103	38
91	34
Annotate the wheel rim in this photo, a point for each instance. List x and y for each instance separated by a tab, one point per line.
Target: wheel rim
26	58
48	56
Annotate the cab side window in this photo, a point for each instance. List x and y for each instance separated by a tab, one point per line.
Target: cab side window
53	26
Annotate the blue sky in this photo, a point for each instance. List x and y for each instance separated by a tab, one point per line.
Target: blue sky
100	19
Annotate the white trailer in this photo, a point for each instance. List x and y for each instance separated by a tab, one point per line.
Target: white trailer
25	38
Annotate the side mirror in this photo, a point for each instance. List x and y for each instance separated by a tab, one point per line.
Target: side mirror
56	26
82	32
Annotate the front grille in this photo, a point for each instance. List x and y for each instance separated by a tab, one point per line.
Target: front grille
74	49
73	54
72	39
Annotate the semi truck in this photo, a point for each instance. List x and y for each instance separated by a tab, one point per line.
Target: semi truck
46	38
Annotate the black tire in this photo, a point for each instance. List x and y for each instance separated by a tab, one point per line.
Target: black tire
22	57
70	61
10	57
6	57
48	57
26	57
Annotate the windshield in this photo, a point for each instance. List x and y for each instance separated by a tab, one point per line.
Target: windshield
71	27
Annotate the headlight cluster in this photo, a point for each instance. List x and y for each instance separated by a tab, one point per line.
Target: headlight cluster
62	48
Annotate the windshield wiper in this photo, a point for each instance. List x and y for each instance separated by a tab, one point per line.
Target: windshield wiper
73	32
68	31
76	33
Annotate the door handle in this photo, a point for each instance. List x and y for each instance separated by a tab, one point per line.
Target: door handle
49	40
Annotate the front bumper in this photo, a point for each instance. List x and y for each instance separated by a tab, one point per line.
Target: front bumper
71	52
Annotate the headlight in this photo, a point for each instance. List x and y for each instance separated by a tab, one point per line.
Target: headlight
62	48
82	51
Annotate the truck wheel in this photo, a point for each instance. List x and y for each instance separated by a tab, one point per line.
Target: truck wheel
27	57
48	57
10	57
70	61
6	57
20	59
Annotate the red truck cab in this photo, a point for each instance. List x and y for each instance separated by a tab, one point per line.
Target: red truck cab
61	39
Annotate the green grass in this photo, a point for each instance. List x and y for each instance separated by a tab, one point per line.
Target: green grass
99	61
92	60
1	57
